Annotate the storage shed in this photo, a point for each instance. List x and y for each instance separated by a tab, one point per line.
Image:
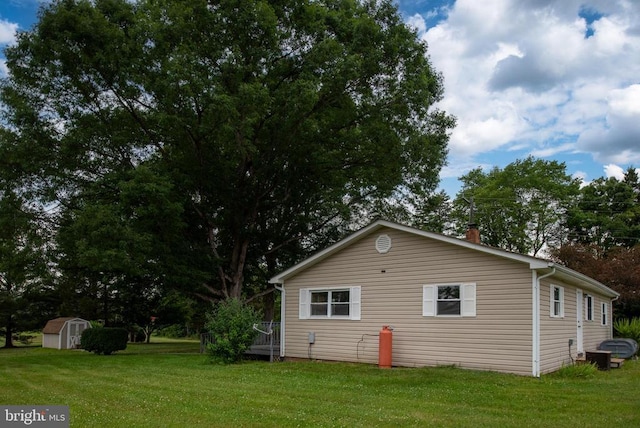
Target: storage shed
64	333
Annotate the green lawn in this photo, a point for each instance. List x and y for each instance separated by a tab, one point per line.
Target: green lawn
168	384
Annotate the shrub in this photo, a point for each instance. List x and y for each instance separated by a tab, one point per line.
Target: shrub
231	326
96	323
173	331
104	340
628	328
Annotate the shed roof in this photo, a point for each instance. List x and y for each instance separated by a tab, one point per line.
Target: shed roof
54	326
541	265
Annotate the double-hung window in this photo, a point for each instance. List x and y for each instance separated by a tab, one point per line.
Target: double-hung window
330	303
589	304
557	301
449	300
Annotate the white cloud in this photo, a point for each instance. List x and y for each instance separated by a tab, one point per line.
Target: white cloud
582	176
7	32
615	139
417	22
536	75
4	71
554	150
615	171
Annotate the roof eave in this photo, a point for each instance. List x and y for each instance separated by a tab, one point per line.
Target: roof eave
534	263
585	282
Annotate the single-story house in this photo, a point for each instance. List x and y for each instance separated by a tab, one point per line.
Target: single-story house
64	333
449	302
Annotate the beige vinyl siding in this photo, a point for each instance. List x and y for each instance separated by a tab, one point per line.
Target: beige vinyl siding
497	338
556	332
594	332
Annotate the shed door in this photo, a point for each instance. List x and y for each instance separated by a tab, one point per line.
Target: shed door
580	320
75	331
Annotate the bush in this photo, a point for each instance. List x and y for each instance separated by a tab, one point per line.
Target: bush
628	328
104	340
173	331
231	326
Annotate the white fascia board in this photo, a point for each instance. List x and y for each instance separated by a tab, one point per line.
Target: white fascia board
584	281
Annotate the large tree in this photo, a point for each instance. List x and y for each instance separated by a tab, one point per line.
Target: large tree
519	208
274	121
607	213
604	237
22	264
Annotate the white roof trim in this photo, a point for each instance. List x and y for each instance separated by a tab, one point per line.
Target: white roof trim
533	262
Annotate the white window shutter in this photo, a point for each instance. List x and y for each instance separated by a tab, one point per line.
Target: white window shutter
428	301
551	305
468	300
354	303
562	302
304	307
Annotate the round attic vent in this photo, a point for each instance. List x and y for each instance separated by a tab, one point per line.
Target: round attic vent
383	244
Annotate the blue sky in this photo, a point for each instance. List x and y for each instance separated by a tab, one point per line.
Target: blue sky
556	79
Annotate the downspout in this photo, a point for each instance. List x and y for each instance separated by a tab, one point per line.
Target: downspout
611	317
282	318
536	320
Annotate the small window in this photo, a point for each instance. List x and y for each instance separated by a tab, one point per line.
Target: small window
605	314
449	300
589	309
330	303
557	301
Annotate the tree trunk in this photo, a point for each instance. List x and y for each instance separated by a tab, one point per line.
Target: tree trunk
8	337
238	262
269	305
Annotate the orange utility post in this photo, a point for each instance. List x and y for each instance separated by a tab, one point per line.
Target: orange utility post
385	348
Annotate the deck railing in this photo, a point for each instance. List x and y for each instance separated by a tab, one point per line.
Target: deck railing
267	342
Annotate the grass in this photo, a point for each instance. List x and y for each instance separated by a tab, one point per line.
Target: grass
168	384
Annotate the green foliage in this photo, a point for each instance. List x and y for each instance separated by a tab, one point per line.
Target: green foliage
577	371
206	144
231	326
607	213
520	208
96	324
105	340
22	264
173	331
628	328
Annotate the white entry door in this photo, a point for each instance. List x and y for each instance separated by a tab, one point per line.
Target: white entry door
580	320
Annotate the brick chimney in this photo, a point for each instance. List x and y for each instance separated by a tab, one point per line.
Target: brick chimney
473	234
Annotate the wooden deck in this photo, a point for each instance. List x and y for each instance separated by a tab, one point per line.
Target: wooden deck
616	363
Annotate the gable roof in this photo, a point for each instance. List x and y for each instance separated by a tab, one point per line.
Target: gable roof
54	326
541	265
